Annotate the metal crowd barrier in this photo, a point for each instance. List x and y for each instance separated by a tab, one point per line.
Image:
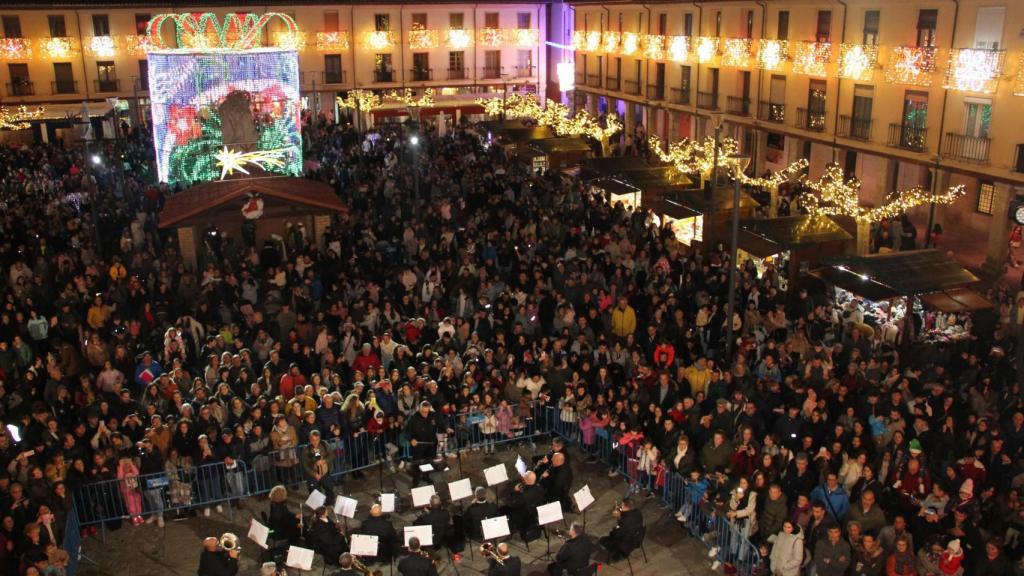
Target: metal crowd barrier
72	543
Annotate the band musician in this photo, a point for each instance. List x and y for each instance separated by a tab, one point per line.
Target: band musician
500	561
417	562
215	561
379	526
627	533
573	557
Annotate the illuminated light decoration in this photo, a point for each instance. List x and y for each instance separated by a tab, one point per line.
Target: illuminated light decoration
974	70
458	39
593	41
835	196
697	158
736	53
494	37
58	48
1018	86
207	31
449	91
579	38
407	98
679	49
137	44
555	114
231	160
566	73
707	49
15	49
102	46
362	100
911	66
609	42
810	58
19	118
379	40
654	46
424	39
187	89
630	43
289	40
858	61
771	54
332	41
524	37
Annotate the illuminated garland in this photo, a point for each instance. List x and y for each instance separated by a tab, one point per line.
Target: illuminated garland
707	49
406	97
610	41
332	41
654	46
1018	86
494	37
771	54
679	49
58	48
911	66
458	39
579	40
836	196
630	43
810	58
556	115
697	158
736	53
102	46
363	100
19	118
524	37
379	40
421	39
974	70
290	40
207	31
15	49
138	45
858	61
593	41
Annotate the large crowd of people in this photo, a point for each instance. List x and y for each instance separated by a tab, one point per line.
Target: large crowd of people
459	282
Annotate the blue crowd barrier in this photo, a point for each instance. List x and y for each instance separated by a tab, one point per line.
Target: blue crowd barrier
72	543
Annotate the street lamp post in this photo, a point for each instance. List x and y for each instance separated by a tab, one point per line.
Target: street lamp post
414	140
739	165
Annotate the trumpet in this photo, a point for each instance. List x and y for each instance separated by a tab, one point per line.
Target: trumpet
228	542
617	511
561	535
359	566
487	550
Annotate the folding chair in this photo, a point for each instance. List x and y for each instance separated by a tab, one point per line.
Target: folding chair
643	535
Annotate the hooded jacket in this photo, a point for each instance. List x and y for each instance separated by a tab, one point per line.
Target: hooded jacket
788	553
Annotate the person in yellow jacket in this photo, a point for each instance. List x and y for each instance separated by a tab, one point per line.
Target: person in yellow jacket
698	375
623	319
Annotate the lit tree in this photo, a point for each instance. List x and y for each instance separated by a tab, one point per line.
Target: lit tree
555	115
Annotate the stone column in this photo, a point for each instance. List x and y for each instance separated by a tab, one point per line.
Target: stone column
998	232
187	245
673	125
760	151
863	237
592	100
630	121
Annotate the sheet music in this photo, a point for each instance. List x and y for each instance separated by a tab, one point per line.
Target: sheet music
521	466
495	527
421	495
460	489
496	474
316	499
428	468
424	533
387	503
301	558
364	545
258	533
345	506
583	498
548	513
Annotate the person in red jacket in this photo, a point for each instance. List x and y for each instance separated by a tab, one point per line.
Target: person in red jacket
664	355
290	381
366	361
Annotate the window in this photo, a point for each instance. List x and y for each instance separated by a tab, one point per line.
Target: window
988	32
457	64
382	22
143	74
493	20
688	24
824	32
915	109
620	21
783	31
524	61
332	69
927	20
21	85
12	27
100	25
871	27
684	83
749	29
384	70
420	66
455	20
58	29
331	21
662	23
106	77
419	21
977	117
141	24
986	195
523	20
64	79
860	119
718	23
1018	163
492	64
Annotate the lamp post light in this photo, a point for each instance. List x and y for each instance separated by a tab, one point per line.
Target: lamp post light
414	141
739	164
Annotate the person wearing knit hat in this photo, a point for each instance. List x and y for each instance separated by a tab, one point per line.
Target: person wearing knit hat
966	490
952	557
915	447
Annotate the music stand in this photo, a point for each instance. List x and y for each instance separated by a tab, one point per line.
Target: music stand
548	514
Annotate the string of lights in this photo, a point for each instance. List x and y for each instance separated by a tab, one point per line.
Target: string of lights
697	157
205	31
358	99
555	115
18	118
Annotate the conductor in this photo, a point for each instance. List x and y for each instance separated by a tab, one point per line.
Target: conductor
574	555
422	429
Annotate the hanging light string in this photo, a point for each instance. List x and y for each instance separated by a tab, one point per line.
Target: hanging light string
18	118
556	115
698	157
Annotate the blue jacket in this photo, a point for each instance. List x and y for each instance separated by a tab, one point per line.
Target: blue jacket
837	502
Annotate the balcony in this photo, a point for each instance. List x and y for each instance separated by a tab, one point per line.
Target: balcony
855	128
458	74
491	72
680	96
142	83
332	77
380	76
612	83
594	80
655	91
421	74
811	120
581	78
21	87
966	148
908	137
108	85
632	87
738	106
772	112
64	87
524	71
707	100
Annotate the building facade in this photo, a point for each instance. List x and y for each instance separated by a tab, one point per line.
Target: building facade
901	94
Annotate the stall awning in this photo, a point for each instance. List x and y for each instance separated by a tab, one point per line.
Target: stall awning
615	166
721	200
561	145
614	186
663	179
667	207
881	276
956	300
795	232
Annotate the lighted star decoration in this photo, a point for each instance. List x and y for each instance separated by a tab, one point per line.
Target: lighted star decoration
103	46
18	119
630	43
911	65
593	41
697	157
810	58
707	48
364	100
679	49
654	46
609	41
974	70
555	114
736	53
771	54
230	160
857	61
834	195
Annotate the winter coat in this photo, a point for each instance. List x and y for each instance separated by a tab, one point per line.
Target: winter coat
788	554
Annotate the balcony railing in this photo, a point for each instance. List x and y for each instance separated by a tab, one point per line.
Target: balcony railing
491	72
612	83
333	77
738	106
524	71
908	137
21	88
142	83
707	100
383	76
421	74
772	112
854	127
680	96
810	120
109	85
968	148
594	80
632	87
458	74
581	78
64	87
655	91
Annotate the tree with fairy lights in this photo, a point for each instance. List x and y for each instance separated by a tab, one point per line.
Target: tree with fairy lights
555	115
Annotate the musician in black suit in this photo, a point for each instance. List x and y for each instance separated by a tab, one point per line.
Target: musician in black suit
480	509
574	555
347	566
215	561
438	519
543	462
325	538
422	428
626	535
521	506
416	563
557	480
379	526
509	565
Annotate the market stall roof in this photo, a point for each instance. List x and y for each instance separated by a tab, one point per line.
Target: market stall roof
615	166
662	205
661	178
614	186
881	276
561	145
721	200
789	233
956	300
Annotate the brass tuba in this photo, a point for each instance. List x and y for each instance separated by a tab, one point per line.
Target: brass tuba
229	542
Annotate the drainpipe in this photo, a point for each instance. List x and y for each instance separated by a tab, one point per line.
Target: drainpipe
85	71
839	86
607	60
401	41
756	108
942	134
696	82
352	41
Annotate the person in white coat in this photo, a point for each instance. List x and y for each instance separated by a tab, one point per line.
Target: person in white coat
788	551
